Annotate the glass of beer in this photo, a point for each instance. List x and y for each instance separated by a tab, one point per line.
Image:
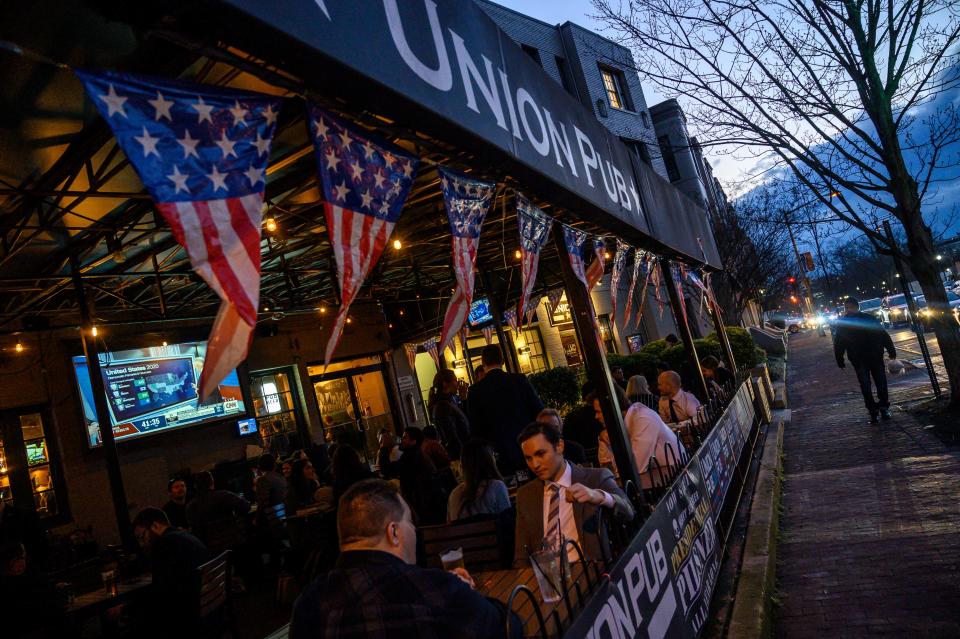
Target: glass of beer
109	582
452	559
546	568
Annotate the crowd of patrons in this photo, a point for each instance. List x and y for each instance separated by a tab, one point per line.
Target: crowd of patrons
450	471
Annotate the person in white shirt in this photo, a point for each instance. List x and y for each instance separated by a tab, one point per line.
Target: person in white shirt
649	438
676	405
564	501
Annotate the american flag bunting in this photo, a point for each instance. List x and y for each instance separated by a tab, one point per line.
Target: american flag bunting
619	263
573	239
364	185
534	232
488	334
594	272
511	317
430	346
554	298
467	201
202	153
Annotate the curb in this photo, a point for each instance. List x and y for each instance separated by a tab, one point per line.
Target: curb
753	600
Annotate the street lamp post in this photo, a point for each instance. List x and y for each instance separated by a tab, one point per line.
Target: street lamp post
808	295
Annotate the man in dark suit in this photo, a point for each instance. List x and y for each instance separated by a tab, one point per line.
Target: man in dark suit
564	501
862	339
500	405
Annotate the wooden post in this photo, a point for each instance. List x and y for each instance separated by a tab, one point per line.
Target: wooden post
107	441
584	322
699	384
722	335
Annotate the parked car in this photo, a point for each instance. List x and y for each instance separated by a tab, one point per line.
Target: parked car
894	311
952	299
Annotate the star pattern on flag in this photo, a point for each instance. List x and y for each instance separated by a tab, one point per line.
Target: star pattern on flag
184	145
201	153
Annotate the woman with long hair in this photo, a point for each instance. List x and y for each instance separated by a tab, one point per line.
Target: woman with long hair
482	490
302	487
447	416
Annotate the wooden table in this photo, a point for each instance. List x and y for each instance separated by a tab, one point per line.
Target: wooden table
98	600
498	584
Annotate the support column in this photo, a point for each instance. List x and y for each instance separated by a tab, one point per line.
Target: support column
699	385
721	329
109	444
584	322
510	358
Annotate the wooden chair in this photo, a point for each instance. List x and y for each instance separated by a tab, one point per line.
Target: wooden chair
214	602
480	537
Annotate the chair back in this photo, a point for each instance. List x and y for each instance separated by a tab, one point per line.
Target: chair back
221	534
214	591
478	537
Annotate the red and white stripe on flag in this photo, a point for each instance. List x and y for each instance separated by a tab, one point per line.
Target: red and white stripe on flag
466	201
595	270
488	335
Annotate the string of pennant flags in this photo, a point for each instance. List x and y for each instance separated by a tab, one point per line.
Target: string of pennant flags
202	153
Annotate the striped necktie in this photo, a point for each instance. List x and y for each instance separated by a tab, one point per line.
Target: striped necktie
552	533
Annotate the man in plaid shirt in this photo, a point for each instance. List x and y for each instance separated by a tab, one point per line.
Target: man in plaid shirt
376	590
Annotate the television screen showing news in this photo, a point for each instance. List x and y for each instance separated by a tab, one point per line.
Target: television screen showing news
154	389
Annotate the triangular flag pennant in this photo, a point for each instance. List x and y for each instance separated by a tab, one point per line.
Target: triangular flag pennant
619	263
594	272
656	277
647	270
467	201
364	186
488	334
464	354
638	261
534	232
511	317
554	298
201	152
531	310
411	350
430	346
676	274
573	239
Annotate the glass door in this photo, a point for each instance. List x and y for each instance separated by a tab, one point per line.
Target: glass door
354	403
28	472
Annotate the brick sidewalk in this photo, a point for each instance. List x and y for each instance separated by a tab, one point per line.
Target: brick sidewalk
871	524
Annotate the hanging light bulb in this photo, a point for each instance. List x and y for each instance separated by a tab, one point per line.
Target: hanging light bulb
164	343
517	254
349	320
93	331
401	312
270	224
397	244
19	346
323	310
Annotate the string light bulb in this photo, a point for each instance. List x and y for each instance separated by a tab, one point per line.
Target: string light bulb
401	312
516	254
164	343
19	346
397	244
349	320
323	310
270	224
93	331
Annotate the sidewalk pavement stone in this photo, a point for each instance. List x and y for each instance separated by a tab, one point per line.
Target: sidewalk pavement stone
871	521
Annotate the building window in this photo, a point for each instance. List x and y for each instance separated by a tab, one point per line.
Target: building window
274	402
531	354
30	475
532	52
669	159
616	87
606	334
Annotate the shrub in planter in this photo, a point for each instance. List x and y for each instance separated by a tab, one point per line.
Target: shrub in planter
558	388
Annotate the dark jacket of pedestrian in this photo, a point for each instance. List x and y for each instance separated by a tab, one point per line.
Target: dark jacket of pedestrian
175	557
451	423
375	594
581	426
501	404
862	338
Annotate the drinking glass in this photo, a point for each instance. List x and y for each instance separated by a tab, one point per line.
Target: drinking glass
546	568
452	559
110	582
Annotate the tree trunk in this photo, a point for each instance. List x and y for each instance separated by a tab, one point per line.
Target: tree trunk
927	271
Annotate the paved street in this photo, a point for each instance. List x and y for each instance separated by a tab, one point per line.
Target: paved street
870	543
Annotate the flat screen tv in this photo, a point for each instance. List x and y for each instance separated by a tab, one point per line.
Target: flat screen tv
247	426
479	313
154	389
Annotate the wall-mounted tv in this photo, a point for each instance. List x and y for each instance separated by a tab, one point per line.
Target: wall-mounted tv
247	426
154	389
479	313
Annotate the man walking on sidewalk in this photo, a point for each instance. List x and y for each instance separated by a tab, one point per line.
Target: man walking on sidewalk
861	337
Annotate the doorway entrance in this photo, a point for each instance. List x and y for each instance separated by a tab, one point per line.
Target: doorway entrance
354	404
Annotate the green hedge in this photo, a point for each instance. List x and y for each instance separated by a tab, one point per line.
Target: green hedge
645	361
558	388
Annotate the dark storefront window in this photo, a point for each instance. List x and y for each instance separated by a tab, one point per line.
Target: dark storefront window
606	334
274	403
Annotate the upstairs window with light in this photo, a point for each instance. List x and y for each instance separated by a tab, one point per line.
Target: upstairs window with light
614	83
